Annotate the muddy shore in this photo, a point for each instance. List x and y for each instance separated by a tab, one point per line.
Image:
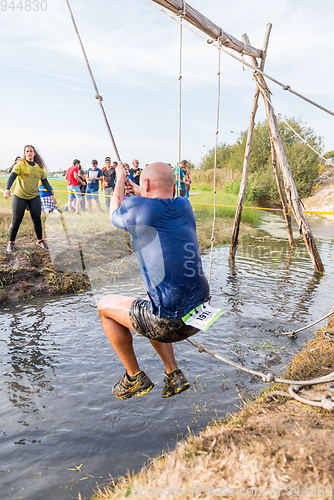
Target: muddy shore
29	273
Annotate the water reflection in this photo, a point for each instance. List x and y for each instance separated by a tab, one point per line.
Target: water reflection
269	273
30	366
308	296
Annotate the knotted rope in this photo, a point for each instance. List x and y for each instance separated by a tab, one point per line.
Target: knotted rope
294	332
181	14
215	170
97	96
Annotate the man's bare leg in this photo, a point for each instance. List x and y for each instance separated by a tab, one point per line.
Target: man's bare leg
166	353
114	314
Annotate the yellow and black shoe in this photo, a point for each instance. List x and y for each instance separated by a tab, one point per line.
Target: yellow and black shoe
127	386
175	382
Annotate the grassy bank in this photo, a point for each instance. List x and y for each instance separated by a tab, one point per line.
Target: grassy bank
201	198
271	448
202	203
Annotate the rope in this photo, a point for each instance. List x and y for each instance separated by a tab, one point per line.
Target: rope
319	380
211	42
182	13
11	194
323	401
328	335
285	121
269	377
233	206
218	205
294	332
97	96
215	171
265	208
82	194
200	347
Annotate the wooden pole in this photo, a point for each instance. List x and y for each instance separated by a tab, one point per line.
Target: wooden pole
291	190
204	24
285	207
289	182
244	180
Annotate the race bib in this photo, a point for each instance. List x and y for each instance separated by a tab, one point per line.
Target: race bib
202	316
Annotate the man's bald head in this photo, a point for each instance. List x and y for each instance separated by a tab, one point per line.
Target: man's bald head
161	180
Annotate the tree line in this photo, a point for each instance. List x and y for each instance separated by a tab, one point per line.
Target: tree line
262	188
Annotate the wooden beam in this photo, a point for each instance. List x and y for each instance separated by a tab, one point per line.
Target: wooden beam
204	24
244	179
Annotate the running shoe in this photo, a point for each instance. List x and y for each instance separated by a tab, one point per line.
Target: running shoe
125	388
42	244
11	247
175	382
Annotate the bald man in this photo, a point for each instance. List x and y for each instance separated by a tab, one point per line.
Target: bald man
136	171
163	233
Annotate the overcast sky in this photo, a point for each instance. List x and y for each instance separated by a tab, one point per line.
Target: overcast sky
47	98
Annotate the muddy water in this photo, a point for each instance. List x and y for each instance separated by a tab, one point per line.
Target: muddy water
61	430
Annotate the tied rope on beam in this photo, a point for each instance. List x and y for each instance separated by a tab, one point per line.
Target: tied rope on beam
97	96
284	120
284	86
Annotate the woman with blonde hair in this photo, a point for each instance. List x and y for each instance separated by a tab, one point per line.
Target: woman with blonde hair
26	194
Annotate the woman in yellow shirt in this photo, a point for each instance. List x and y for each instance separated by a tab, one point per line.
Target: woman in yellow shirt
27	172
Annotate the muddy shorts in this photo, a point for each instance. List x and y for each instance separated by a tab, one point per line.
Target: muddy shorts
160	329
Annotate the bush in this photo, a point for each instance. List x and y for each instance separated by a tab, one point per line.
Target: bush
303	162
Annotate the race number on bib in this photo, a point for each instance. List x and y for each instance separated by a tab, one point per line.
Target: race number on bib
202	316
